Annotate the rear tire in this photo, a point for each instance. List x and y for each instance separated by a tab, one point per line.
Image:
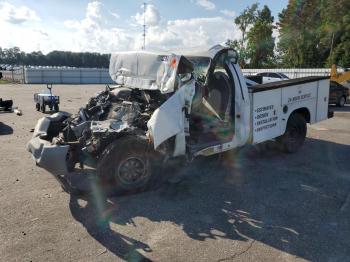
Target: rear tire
128	165
56	108
37	106
43	108
341	101
295	134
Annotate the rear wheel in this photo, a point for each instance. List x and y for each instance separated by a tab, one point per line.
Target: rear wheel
341	101
128	165
56	108
295	134
37	106
43	108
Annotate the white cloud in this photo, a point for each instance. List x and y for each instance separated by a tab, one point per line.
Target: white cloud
97	15
18	36
170	35
206	4
92	35
228	13
191	33
16	14
97	32
152	16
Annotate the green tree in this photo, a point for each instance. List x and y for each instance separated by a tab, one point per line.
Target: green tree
260	43
14	56
315	33
299	28
335	32
244	21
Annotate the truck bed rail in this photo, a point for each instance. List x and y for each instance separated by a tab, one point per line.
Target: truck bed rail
285	83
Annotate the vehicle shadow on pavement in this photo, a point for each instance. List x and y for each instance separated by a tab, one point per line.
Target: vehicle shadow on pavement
291	202
95	218
5	129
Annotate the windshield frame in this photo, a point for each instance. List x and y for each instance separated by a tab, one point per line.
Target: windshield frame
200	78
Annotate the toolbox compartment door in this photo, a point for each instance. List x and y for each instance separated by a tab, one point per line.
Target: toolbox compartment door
266	113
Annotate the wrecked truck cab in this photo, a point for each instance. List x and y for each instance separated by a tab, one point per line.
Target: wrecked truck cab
126	131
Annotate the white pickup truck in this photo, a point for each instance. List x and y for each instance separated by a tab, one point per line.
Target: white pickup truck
175	105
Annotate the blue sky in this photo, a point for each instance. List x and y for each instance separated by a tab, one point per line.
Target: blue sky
113	25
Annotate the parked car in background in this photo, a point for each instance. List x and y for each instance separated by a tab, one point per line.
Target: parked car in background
269	77
338	94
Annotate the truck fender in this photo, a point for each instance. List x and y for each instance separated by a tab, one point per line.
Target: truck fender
304	111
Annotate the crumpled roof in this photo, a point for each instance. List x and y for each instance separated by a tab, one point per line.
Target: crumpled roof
150	70
143	70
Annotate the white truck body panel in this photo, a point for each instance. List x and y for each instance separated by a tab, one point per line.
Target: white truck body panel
271	108
242	107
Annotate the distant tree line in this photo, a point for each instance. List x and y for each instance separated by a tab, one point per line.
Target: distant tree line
14	56
312	33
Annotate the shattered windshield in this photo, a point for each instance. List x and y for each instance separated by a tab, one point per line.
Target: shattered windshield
201	66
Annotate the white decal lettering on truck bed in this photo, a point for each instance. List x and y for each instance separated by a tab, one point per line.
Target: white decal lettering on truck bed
298	98
264	118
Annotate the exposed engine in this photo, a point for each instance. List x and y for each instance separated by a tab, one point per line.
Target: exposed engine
107	116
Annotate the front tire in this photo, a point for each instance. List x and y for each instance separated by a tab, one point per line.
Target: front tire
295	134
128	165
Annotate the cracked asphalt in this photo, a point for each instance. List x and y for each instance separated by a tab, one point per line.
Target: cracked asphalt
253	204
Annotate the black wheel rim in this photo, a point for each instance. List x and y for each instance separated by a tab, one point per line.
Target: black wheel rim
295	134
132	170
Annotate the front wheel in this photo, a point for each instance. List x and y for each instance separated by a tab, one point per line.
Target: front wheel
295	134
128	165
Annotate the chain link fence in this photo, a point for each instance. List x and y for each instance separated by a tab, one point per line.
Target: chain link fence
101	76
16	76
58	76
292	72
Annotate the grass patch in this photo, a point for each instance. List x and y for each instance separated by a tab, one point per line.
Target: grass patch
4	82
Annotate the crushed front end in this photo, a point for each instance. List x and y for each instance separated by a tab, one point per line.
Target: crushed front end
61	141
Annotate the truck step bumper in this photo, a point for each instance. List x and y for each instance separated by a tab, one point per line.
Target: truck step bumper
52	158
